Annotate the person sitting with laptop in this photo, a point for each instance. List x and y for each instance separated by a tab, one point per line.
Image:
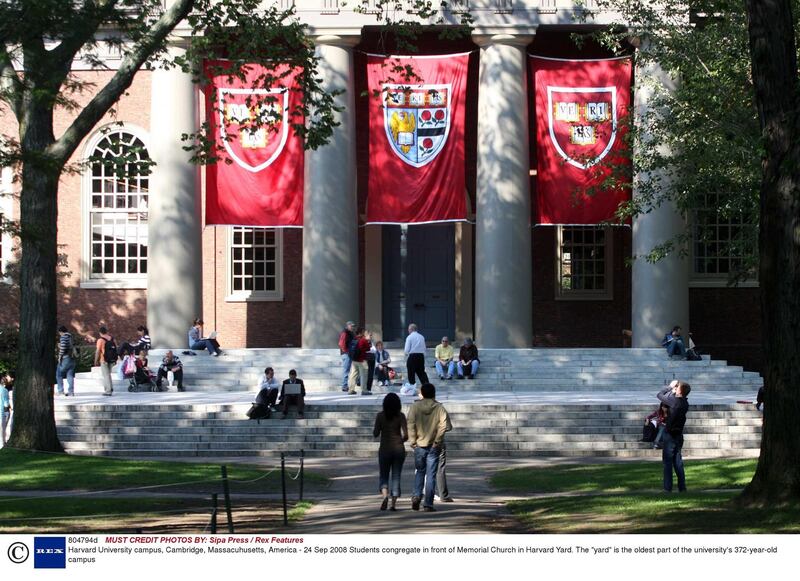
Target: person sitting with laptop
293	392
197	341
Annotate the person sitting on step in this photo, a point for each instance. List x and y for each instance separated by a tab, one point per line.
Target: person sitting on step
382	361
197	341
444	359
143	375
293	392
268	389
673	341
173	364
468	359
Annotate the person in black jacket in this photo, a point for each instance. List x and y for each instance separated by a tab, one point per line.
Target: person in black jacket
674	396
296	399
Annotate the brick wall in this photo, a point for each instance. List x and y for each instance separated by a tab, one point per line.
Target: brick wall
584	323
726	322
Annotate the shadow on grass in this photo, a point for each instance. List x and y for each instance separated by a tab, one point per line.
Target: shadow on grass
21	470
622	476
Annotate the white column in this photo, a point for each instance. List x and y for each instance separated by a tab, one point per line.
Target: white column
503	269
330	222
175	266
660	291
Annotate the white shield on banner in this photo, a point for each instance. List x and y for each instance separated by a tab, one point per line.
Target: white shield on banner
582	122
417	120
254	127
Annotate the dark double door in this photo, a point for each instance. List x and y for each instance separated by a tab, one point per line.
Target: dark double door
419	280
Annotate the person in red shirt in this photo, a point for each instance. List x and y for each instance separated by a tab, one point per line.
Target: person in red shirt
359	368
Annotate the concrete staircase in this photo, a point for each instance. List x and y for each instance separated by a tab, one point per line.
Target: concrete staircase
546	402
346	430
501	370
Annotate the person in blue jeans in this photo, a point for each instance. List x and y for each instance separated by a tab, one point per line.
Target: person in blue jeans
675	398
66	362
391	426
198	342
345	338
427	424
674	343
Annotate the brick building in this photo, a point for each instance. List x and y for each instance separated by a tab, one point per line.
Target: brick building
138	251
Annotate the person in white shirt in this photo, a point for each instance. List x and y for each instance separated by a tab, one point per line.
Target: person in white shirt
272	387
415	355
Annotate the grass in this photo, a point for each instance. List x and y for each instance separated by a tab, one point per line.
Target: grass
44	471
693	513
622	476
626	497
68	514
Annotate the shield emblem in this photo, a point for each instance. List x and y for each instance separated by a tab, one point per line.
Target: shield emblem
582	123
417	120
254	125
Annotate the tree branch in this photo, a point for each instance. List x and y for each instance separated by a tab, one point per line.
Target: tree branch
122	79
91	17
10	85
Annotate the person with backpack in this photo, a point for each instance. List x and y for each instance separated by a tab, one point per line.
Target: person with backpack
105	355
359	347
345	338
67	360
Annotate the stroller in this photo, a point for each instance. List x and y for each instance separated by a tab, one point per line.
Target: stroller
141	380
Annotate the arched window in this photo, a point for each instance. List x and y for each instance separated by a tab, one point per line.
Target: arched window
116	199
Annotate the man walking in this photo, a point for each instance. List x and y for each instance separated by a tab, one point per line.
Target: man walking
415	355
105	355
674	396
427	423
345	338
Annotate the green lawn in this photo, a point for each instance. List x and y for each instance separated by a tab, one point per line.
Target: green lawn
622	476
126	515
44	471
697	513
626	497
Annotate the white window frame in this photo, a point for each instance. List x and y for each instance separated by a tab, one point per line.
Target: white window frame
7	211
254	296
607	294
713	280
88	281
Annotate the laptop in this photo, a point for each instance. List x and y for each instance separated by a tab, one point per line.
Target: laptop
291	389
213	335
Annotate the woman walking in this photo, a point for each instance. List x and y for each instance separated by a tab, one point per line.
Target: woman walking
390	425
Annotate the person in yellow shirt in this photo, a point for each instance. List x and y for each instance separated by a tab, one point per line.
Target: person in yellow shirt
444	359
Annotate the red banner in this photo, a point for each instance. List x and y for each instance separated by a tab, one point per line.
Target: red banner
416	140
582	114
258	180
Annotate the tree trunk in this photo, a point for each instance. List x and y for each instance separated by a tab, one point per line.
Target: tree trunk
774	65
34	417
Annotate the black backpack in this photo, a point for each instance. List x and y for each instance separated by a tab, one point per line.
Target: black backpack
110	353
258	411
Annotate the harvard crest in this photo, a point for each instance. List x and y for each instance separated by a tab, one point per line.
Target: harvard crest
417	120
254	126
582	123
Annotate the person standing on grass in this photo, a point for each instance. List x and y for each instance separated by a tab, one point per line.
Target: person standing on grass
105	356
427	423
391	426
675	398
